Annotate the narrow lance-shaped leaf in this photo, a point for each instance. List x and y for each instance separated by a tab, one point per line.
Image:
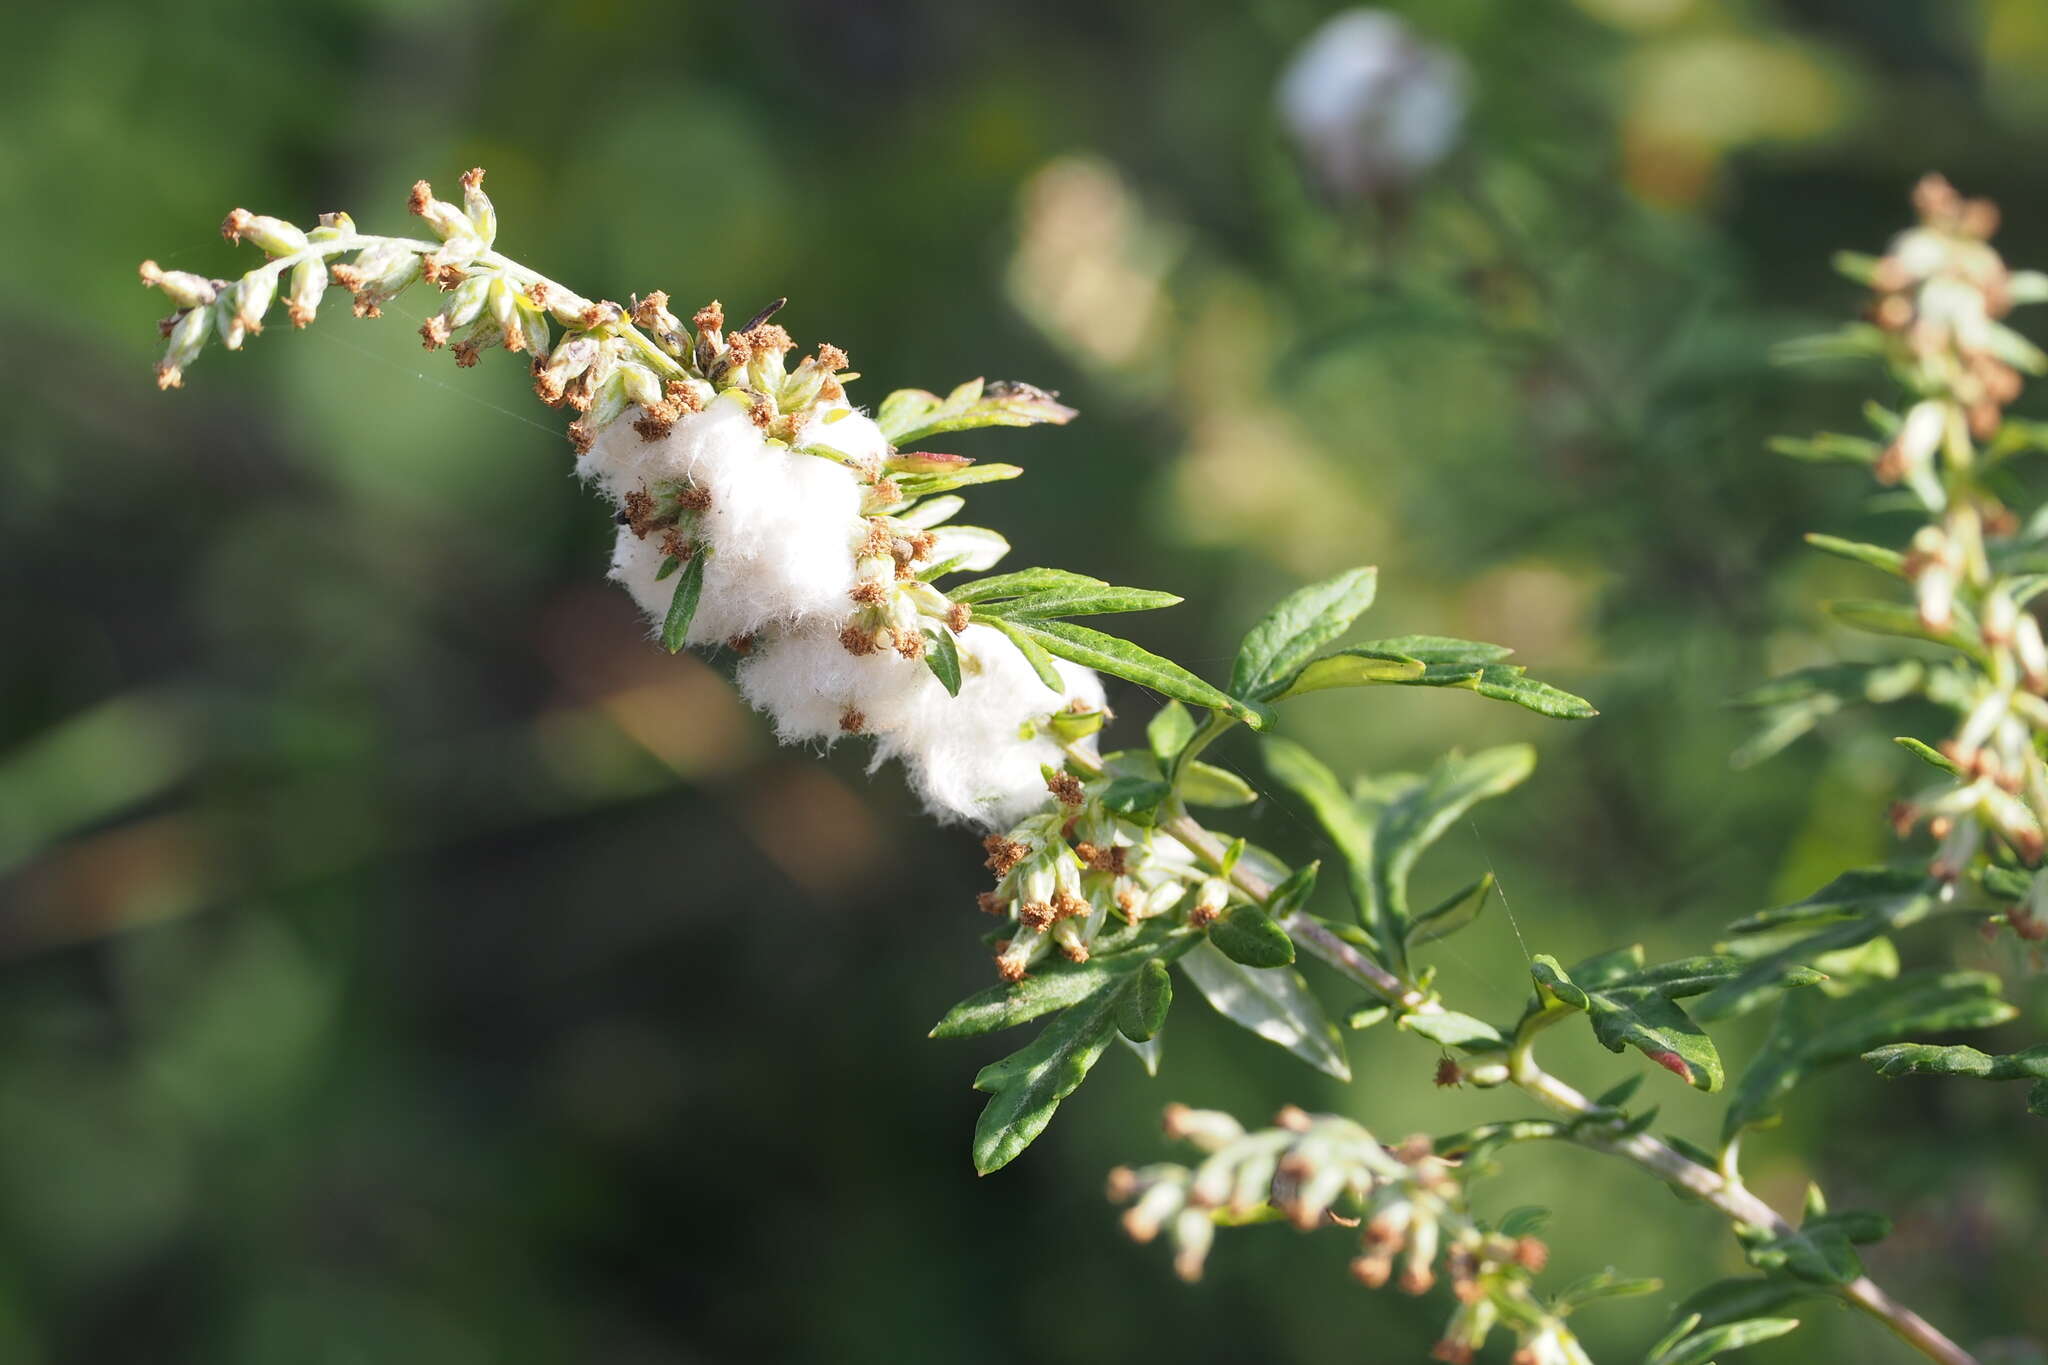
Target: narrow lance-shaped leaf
682	607
1107	654
943	658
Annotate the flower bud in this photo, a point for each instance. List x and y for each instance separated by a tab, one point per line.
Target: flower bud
253	297
273	235
1209	1129
447	221
188	338
476	206
309	285
183	288
1193	1234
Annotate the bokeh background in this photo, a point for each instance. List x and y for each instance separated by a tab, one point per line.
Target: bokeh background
402	960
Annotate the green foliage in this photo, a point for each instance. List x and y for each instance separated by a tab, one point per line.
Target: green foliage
1272	1002
1384	826
912	414
1631	1005
1924	1059
1248	936
682	606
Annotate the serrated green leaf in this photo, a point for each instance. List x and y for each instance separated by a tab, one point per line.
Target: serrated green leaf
1026	1087
1246	934
1057	602
1142	1011
1021	582
1630	1011
1272	1002
943	658
1290	634
1058	983
1108	654
682	605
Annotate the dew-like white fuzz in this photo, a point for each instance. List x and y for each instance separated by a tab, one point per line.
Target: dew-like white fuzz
780	529
968	757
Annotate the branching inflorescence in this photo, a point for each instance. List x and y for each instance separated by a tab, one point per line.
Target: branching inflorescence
759	513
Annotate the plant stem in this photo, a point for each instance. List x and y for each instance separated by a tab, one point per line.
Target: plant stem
1653	1154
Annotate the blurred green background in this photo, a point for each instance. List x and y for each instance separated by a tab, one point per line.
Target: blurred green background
402	960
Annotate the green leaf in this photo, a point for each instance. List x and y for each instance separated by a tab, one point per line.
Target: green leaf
668	566
682	607
1034	654
1631	1010
1453	913
1078	601
1137	797
1204	784
1273	1002
1290	634
1027	1086
1348	827
943	658
1927	754
1829	448
1448	1028
1020	583
1141	1013
1794	704
1813	1031
1409	821
1849	911
1147	1052
913	414
1440	649
1168	732
915	486
1524	1220
1601	1284
1897	618
1294	890
1875	556
1057	984
1740	1297
1107	654
1246	934
1355	667
1703	1347
1919	1059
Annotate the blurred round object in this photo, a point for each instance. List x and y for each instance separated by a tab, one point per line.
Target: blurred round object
1370	106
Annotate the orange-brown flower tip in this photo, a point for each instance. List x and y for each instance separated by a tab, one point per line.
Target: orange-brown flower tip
152	274
852	721
989	903
1067	788
1451	1353
1138	1227
710	317
830	357
1448	1073
467	353
422	195
1417	1279
169	376
1371	1271
1531	1254
603	313
1076	952
1122	1184
581	437
434	332
740	644
1009	969
869	593
1035	915
1293	1118
235	224
472	179
1004	854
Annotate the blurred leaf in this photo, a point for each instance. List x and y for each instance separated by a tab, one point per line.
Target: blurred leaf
1058	984
1684	1347
1168	732
1204	784
1448	1028
1900	619
1601	1284
1453	913
1875	556
1303	622
1829	448
1812	1032
1273	1002
1849	911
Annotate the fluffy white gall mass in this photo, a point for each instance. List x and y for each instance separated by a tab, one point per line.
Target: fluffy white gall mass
975	757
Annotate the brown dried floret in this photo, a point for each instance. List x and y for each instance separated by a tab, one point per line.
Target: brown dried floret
1004	854
852	721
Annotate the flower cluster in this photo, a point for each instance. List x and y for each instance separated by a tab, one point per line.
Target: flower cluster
757	509
1941	290
1318	1170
